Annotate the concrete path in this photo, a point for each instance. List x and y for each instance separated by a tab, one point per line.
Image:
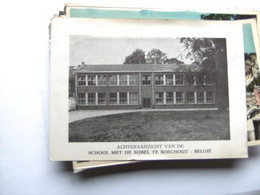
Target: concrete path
82	114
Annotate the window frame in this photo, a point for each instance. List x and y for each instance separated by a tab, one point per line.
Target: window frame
123	79
177	79
167	79
101	100
82	81
158	79
114	102
122	100
146	81
133	79
169	98
190	97
159	100
112	82
92	82
133	101
81	100
179	98
93	99
102	80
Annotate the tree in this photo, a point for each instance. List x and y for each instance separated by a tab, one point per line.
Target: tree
173	61
210	54
201	50
156	56
136	57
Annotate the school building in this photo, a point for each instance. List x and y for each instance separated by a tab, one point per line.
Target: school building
137	86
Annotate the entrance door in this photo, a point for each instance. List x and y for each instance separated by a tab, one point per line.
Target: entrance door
147	102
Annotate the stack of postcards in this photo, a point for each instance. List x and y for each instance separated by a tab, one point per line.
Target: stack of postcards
131	85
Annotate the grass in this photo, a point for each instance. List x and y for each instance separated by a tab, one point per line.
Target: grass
152	126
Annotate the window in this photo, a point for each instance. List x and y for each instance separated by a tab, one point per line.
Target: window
190	79
200	97
158	79
159	97
123	79
82	98
209	80
91	80
112	98
133	79
146	79
123	98
102	80
169	97
113	80
82	80
179	97
210	97
169	79
101	98
190	98
133	98
179	79
91	98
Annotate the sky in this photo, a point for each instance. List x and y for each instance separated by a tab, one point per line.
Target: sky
93	50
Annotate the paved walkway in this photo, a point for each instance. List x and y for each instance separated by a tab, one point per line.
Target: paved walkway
82	114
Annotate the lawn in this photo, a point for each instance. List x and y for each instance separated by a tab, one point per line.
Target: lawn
152	126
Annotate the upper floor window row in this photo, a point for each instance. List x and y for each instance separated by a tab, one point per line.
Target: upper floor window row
179	79
133	79
112	80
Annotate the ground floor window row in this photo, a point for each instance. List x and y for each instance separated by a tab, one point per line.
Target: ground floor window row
114	98
131	98
192	97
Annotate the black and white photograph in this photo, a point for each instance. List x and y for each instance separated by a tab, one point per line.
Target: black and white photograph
148	89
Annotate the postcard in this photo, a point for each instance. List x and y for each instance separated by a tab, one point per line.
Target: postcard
144	91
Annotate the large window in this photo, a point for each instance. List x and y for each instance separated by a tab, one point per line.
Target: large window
101	98
112	98
159	97
179	97
123	79
179	80
123	98
102	80
113	80
158	79
210	97
133	98
169	79
81	80
82	98
133	79
91	98
91	80
169	97
190	98
146	79
200	97
190	79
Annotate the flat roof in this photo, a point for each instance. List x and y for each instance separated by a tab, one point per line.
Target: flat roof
137	68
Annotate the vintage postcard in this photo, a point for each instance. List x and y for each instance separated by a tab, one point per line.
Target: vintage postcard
252	74
147	89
